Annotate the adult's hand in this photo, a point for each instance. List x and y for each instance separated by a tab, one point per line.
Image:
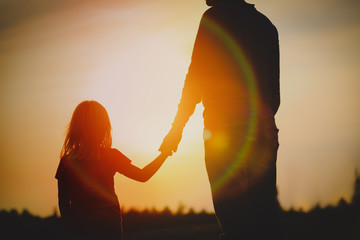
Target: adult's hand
171	142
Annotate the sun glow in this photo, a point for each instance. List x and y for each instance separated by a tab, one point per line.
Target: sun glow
136	91
141	88
132	57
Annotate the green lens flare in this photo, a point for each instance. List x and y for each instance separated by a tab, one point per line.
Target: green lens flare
245	66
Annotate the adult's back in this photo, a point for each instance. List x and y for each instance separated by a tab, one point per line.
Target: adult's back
235	63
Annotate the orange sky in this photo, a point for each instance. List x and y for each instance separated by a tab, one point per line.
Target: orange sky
133	58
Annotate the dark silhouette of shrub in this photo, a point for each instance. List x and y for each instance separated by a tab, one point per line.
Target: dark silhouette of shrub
332	222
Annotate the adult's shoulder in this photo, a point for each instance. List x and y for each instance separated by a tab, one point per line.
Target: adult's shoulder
265	20
210	12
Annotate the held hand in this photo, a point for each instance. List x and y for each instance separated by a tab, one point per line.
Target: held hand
166	154
171	142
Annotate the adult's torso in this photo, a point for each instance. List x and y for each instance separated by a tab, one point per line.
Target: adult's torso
237	69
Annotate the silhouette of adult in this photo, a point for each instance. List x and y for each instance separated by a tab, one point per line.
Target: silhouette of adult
234	72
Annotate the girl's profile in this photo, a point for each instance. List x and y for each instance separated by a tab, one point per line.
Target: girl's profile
88	204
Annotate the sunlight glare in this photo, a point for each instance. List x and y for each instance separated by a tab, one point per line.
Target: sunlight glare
135	90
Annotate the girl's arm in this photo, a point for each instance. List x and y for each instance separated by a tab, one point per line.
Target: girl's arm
142	175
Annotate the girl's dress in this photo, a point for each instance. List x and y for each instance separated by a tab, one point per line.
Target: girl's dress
89	185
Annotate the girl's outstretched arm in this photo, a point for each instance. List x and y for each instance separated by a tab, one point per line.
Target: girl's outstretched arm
143	175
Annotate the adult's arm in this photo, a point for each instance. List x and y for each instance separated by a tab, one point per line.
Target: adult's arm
275	69
191	93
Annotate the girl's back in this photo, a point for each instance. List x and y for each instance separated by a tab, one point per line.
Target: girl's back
89	185
87	200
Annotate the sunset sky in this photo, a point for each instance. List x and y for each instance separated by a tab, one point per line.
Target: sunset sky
132	57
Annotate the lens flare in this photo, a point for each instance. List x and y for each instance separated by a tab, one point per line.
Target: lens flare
242	63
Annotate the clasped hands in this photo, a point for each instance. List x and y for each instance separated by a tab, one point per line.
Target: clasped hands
171	142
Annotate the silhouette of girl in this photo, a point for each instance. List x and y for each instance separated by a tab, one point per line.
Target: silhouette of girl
88	204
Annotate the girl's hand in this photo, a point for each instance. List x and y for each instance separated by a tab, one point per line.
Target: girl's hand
166	153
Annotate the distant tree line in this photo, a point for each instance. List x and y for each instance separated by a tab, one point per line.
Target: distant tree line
332	222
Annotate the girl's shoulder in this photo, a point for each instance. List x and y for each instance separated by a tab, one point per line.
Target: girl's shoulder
114	156
63	165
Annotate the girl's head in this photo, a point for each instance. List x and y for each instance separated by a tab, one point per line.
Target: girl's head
89	130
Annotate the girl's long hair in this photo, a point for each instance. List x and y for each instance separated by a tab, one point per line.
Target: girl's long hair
88	132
